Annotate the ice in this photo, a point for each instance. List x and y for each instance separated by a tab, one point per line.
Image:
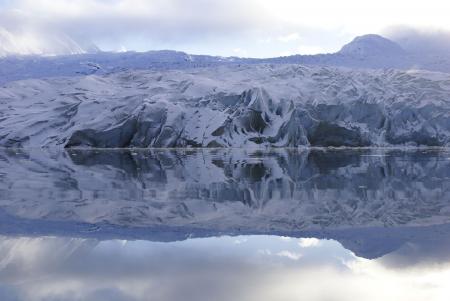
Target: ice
256	105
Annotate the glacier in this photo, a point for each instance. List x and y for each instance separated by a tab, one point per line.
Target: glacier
248	105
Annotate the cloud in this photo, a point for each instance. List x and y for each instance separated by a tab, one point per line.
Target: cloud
69	269
203	26
156	19
309	242
420	40
289	38
290	255
197	26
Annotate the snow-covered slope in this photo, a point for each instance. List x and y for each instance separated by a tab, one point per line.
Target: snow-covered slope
24	67
364	52
370	46
229	106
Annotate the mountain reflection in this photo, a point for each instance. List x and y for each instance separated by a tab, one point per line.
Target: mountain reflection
209	192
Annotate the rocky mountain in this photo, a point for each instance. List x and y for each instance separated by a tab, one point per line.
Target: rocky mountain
229	106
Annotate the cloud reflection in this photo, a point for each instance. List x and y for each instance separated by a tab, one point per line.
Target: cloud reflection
51	268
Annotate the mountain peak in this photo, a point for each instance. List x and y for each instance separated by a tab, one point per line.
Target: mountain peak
372	45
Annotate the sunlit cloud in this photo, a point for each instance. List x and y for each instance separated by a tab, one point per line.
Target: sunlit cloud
309	242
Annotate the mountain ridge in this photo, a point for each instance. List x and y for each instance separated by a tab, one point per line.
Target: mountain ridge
358	54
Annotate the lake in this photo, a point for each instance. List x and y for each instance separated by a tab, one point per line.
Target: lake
224	224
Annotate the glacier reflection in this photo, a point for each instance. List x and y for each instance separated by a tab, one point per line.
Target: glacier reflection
222	268
224	225
228	189
358	197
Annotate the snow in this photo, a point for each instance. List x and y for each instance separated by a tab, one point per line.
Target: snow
357	97
364	52
372	45
229	106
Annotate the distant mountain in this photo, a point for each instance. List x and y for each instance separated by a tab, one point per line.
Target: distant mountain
364	52
33	66
371	45
372	52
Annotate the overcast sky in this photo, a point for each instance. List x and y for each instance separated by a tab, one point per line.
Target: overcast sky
257	28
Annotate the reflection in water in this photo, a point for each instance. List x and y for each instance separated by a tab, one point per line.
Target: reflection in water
228	190
225	268
375	219
372	201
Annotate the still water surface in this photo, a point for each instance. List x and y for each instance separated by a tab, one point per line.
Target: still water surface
224	225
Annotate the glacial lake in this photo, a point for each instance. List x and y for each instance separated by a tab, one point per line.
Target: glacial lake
224	224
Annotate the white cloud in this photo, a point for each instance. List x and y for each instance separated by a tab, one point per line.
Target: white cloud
421	40
310	49
52	268
203	26
289	38
240	241
308	242
240	52
264	252
290	255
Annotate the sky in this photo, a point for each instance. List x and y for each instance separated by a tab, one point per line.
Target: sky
248	28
